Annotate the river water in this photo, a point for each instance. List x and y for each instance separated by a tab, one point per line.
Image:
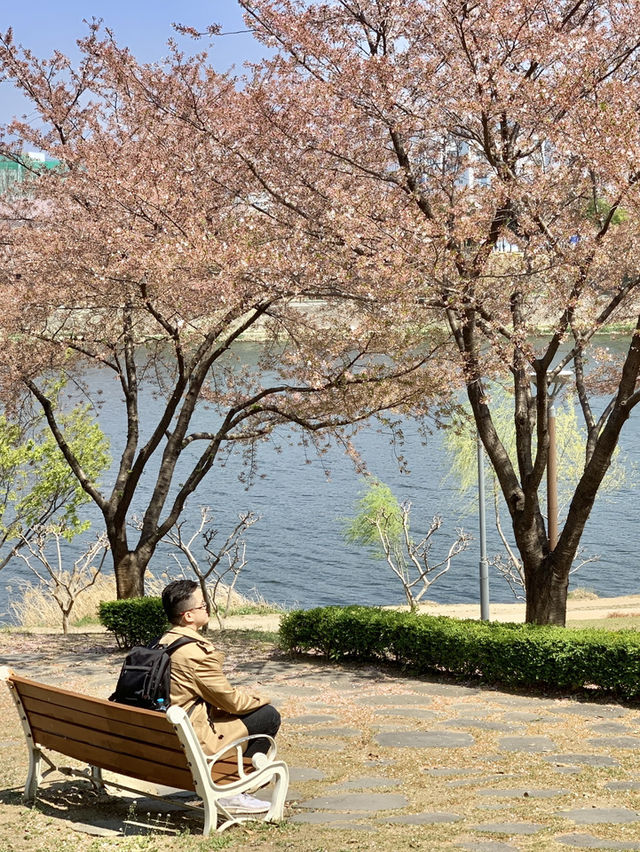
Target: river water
296	553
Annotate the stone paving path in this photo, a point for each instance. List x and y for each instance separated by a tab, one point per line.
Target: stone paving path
369	748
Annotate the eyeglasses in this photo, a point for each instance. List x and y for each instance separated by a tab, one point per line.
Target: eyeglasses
192	608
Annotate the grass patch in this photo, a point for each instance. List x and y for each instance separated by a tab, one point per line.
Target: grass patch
266	637
614	621
582	594
257	608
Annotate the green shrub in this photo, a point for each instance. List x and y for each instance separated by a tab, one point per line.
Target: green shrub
134	621
510	654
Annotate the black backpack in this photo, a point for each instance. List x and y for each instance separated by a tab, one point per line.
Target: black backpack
145	677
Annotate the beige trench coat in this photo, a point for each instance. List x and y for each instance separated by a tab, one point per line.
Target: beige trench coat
196	674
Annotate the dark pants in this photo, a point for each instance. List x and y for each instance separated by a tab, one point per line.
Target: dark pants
264	720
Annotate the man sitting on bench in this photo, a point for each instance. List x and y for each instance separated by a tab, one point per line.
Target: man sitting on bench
219	713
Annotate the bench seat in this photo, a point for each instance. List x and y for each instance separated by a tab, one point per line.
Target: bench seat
140	744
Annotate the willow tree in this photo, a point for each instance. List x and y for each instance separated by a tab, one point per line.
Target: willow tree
151	250
486	155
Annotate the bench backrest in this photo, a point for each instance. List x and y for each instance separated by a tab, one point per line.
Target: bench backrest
138	743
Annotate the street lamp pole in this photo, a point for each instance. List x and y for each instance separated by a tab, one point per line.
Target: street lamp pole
559	381
484	565
552	479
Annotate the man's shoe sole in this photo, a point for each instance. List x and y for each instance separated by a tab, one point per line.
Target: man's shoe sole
246	810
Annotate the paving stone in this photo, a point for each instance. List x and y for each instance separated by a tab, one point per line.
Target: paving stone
581	759
526	716
469	708
592	711
97	830
487	846
332	732
305	773
611	728
623	785
588	841
290	691
532	745
424	739
366	802
593	816
509	827
615	742
423	819
515	701
399	700
366	783
523	793
394	726
412	712
445	689
482	725
328	820
309	719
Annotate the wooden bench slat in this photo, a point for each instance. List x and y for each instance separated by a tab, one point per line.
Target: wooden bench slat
88	704
125	746
135	767
162	739
224	772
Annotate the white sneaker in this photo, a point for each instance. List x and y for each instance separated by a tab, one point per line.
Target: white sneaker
244	804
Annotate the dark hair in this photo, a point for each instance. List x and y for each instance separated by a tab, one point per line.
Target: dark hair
175	596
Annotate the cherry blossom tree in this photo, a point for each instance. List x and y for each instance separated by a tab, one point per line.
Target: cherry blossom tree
163	237
484	156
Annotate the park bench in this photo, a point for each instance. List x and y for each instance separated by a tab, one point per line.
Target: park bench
140	744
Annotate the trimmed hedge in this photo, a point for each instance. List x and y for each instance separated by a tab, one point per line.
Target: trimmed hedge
509	654
134	621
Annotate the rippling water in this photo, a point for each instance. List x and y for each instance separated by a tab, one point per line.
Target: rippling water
297	555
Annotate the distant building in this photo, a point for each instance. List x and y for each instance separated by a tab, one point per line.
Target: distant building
12	172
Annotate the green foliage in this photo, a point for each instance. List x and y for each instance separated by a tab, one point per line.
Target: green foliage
377	505
134	621
36	483
460	442
598	211
510	654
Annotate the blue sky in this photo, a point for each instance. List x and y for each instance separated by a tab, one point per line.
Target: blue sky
142	25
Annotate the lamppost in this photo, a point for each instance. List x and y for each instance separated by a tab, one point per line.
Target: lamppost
484	565
559	381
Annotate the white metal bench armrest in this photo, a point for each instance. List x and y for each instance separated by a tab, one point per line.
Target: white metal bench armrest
267	768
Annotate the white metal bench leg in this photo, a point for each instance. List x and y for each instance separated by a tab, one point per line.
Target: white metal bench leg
276	811
34	776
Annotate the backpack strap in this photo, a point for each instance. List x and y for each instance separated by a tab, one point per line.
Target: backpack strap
177	643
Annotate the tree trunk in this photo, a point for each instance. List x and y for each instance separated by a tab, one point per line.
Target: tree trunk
130	569
129	566
547	584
